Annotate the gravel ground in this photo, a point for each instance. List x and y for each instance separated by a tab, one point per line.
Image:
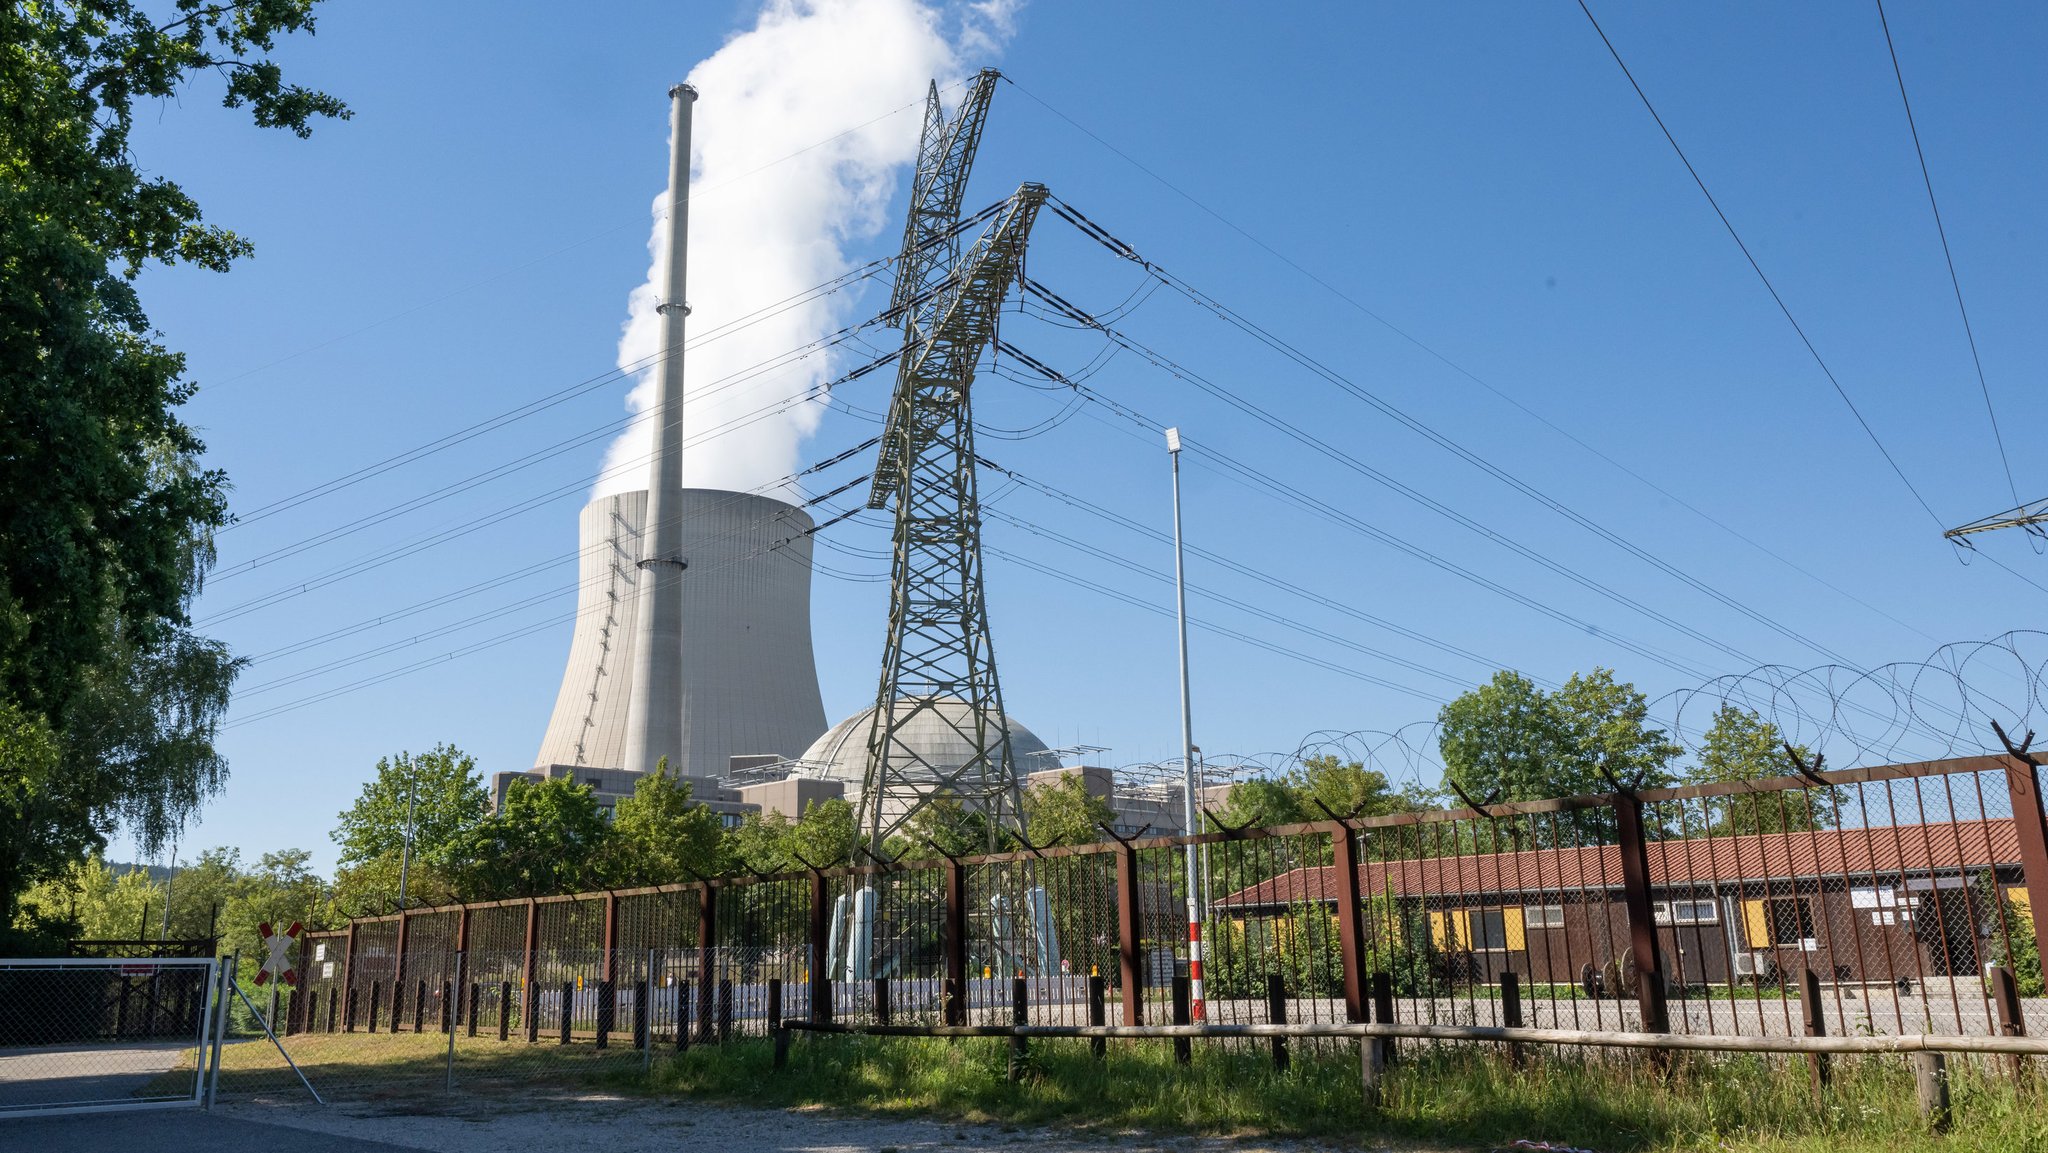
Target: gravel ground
611	1125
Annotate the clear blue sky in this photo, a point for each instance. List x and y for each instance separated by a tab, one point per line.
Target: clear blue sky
1480	176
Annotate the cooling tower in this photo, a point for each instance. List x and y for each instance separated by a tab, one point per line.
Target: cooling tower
748	681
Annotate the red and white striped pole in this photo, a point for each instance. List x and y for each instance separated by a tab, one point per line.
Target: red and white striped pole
1187	747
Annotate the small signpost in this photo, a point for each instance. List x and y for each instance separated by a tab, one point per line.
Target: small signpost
278	960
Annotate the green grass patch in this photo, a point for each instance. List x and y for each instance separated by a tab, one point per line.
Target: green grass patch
1455	1098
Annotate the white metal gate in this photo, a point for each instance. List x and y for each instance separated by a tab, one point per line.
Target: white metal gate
79	1034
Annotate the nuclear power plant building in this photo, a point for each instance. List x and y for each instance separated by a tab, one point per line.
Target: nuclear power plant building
749	680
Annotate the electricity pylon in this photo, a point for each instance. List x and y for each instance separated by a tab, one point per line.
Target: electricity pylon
2027	516
938	667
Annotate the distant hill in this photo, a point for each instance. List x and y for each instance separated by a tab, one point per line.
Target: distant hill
157	873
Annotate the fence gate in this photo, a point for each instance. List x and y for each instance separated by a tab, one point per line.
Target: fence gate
80	1034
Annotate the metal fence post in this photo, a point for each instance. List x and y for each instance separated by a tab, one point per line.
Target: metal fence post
529	978
1276	1013
448	988
1350	933
1183	1014
568	1008
682	1015
821	942
1129	945
1642	926
2005	998
1383	1013
398	973
775	1029
881	1000
504	1010
2031	823
1511	1010
955	944
461	956
707	943
608	984
725	1007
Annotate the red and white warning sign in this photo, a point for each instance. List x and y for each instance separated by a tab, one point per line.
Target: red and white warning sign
278	961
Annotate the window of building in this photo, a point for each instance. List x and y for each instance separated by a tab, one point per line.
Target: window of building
1686	912
1789	920
1489	929
1543	916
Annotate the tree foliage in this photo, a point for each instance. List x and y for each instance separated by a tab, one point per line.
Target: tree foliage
661	836
108	699
1742	746
1062	811
547	837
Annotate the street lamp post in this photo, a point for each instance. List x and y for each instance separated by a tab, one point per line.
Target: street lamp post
1187	745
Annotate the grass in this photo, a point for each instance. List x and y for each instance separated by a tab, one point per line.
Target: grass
1459	1098
1445	1097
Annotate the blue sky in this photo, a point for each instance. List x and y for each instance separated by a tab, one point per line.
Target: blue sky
1481	177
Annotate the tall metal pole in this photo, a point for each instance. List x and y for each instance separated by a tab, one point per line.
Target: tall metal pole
654	713
412	788
1187	744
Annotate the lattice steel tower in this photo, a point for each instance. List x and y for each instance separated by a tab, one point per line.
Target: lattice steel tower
938	648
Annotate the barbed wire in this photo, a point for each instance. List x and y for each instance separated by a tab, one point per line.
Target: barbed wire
1938	707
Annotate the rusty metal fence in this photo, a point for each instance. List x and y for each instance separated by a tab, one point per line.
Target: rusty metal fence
1876	902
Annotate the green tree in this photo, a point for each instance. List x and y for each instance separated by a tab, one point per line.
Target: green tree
108	700
448	801
950	827
1506	740
1609	737
760	843
1263	802
825	835
548	837
1062	811
1742	746
90	900
661	836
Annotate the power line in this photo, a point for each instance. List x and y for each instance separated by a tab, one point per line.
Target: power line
1942	231
1433	353
1758	268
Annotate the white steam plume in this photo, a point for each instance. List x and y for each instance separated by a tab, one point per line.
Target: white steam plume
806	70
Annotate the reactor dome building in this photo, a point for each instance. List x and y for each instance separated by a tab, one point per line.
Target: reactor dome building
942	736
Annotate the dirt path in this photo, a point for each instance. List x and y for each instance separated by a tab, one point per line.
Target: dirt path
613	1125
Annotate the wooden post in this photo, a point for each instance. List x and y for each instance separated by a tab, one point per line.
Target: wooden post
607	1010
504	1010
568	1008
2031	824
1372	1071
775	1029
1098	1013
1130	956
348	980
1813	1019
330	1009
1350	932
1020	1014
2005	999
1276	1012
682	1015
1642	926
1930	1081
376	998
419	1009
529	981
643	1029
881	1000
476	993
1511	1010
1383	1013
725	1007
1183	1014
707	943
821	960
446	1021
954	943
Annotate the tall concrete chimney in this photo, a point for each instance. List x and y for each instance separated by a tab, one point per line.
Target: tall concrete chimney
654	716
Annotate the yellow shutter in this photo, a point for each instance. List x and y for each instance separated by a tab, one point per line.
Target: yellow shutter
1514	928
2022	902
1451	929
1756	924
1436	931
